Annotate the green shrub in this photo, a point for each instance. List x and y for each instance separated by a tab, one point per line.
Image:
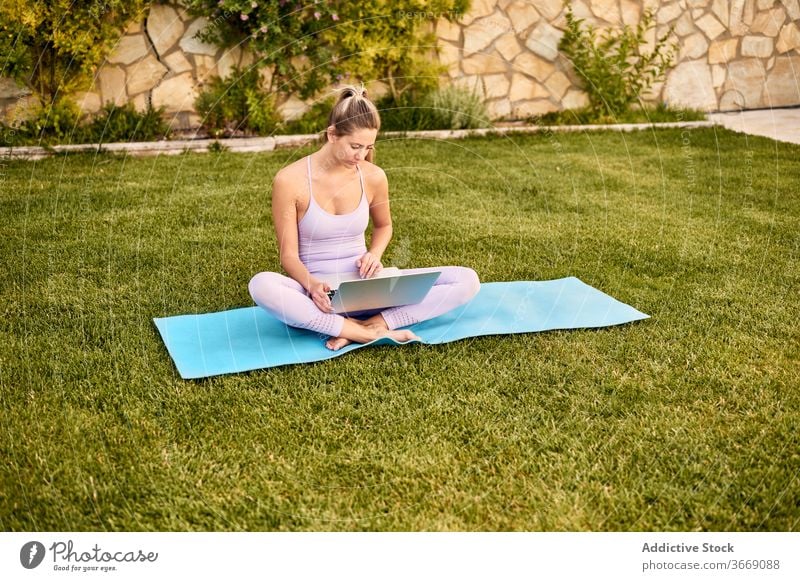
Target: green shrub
236	105
402	113
307	46
8	135
315	120
446	108
124	123
62	124
456	108
613	66
53	123
392	41
216	147
53	46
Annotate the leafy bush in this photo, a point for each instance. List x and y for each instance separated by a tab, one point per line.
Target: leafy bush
53	46
284	36
216	147
392	41
237	104
402	113
62	124
613	66
456	108
53	123
315	120
8	136
125	123
446	108
307	46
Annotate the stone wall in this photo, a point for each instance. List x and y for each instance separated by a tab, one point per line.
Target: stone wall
733	54
158	61
161	62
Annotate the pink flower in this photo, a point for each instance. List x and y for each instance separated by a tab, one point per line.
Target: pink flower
244	16
317	15
335	16
263	29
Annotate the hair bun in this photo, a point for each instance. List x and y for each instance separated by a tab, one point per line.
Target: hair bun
353	91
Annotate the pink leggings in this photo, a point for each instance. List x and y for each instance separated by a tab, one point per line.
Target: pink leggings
286	300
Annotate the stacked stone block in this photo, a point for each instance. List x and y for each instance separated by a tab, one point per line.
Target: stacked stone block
161	63
733	54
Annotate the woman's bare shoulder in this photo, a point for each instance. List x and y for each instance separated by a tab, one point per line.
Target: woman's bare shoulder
288	182
373	174
291	173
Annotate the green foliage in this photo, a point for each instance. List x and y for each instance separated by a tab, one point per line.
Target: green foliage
402	113
61	123
237	104
17	59
446	108
392	41
613	65
315	120
57	122
8	135
284	36
308	46
53	46
125	123
647	114
216	147
456	108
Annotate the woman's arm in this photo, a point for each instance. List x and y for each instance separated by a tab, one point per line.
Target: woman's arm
284	216
379	212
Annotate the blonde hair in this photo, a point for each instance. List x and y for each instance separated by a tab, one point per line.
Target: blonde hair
353	111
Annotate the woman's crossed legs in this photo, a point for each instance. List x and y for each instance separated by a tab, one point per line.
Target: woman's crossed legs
287	300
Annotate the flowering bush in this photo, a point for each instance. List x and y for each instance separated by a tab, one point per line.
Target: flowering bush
54	46
309	45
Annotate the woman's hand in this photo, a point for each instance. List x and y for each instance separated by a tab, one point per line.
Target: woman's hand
368	265
319	294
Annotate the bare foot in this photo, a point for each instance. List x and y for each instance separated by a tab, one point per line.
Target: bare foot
336	343
402	335
378	330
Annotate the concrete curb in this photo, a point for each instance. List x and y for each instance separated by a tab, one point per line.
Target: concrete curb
258	144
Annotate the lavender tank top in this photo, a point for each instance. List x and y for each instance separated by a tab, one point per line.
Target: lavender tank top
331	243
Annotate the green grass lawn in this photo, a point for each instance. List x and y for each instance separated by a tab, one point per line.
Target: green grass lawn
686	421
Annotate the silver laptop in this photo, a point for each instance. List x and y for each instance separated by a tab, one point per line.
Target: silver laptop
382	292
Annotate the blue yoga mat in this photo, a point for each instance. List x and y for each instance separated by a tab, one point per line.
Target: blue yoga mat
249	338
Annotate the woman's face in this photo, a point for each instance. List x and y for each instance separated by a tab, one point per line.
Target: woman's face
353	148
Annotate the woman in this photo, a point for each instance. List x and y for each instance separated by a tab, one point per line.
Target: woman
321	206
